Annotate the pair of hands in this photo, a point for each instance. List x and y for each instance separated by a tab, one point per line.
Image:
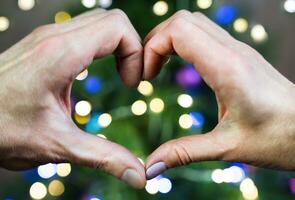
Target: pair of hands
256	103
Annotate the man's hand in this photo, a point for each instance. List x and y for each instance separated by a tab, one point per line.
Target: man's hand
256	103
36	76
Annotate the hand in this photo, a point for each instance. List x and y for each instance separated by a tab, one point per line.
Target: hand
256	103
36	76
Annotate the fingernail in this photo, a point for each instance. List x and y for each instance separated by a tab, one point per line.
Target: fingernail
155	170
132	178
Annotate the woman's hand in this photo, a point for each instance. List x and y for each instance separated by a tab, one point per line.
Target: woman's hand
256	103
36	77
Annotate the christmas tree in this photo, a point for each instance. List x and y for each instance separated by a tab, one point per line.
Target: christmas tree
177	103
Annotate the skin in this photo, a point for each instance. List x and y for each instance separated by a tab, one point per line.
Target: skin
36	77
256	103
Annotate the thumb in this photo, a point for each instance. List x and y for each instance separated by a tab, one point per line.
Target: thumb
184	151
92	151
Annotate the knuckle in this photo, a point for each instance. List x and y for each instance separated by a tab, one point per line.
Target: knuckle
182	13
177	24
43	29
119	14
199	15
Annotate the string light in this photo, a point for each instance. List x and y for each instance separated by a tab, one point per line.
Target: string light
4	23
81	119
185	100
88	3
240	25
82	76
47	171
185	121
248	189
63	169
83	108
204	4
289	6
160	8
258	33
102	136
157	105
62	17
105	3
145	88
38	191
139	107
26	4
105	120
56	188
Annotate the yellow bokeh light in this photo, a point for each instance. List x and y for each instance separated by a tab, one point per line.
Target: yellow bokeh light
83	75
56	188
105	120
248	189
185	100
258	33
4	23
185	121
139	107
88	3
204	4
145	88
83	108
160	8
63	169
241	25
102	136
26	4
62	17
38	191
157	105
81	119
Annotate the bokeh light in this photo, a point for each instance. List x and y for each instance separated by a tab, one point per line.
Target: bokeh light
88	3
188	77
105	120
157	105
204	4
226	14
232	174
105	3
47	171
38	191
145	88
248	189
56	188
152	186
185	100
92	125
241	25
102	136
4	23
185	121
217	176
83	108
160	8
292	185
26	4
63	169
82	76
139	107
198	119
62	17
165	185
92	84
258	33
82	120
289	6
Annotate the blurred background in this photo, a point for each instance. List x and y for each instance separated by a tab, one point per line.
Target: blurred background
175	104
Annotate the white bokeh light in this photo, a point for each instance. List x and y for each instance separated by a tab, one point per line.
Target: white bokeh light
185	100
258	33
160	8
289	6
26	4
47	171
165	185
105	3
88	3
152	186
4	23
38	191
83	108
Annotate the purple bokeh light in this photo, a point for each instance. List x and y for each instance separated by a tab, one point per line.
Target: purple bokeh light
188	77
292	185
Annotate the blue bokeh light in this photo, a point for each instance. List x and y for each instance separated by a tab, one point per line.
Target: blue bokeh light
92	125
198	119
92	84
226	14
